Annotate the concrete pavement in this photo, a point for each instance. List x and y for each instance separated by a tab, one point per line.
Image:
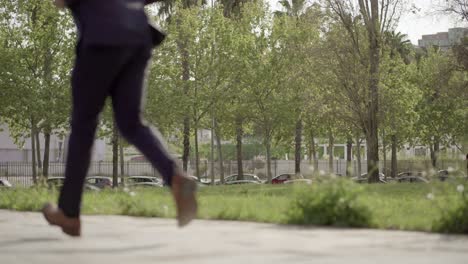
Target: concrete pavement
26	238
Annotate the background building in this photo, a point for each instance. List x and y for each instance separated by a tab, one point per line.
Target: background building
11	152
444	40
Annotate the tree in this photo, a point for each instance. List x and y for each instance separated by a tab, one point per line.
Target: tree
38	38
376	16
298	35
399	95
168	9
442	106
458	7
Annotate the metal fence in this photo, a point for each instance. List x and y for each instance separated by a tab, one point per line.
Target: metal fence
20	173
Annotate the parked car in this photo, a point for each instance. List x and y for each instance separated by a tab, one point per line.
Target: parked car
57	182
100	181
242	182
247	177
443	175
299	181
146	184
5	184
201	182
234	178
364	179
282	178
141	179
144	181
412	179
450	175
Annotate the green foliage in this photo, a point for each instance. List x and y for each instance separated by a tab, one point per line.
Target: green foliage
442	107
455	220
391	206
31	199
38	41
331	204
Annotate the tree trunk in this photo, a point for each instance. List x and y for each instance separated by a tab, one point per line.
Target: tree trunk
331	146
212	161
372	137
186	154
197	155
358	156
239	134
268	156
309	150
182	46
384	150
45	166
297	152
38	149
33	152
349	153
435	152
122	162
372	159
313	151
220	152
394	156
115	156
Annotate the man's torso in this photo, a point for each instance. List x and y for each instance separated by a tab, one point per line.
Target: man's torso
111	22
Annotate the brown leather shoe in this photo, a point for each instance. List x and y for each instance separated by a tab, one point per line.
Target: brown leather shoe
55	216
184	190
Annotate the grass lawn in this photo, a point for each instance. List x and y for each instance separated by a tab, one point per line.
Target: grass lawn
403	206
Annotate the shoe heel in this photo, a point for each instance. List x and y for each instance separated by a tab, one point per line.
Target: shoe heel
74	232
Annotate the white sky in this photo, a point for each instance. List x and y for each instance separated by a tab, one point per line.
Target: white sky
425	21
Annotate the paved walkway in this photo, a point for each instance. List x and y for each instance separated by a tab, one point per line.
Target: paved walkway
25	238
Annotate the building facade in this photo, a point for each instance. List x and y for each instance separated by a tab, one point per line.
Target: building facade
21	152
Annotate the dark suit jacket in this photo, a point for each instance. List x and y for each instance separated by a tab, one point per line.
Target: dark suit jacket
111	22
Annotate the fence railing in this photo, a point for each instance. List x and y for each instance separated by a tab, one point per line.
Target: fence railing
20	173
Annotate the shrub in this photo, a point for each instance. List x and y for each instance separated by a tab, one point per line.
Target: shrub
331	204
456	219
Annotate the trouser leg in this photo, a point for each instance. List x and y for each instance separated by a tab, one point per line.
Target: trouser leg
94	73
126	101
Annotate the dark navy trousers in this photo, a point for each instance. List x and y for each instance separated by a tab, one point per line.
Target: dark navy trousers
117	72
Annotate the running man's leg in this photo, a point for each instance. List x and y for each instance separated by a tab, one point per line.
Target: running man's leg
95	70
126	101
